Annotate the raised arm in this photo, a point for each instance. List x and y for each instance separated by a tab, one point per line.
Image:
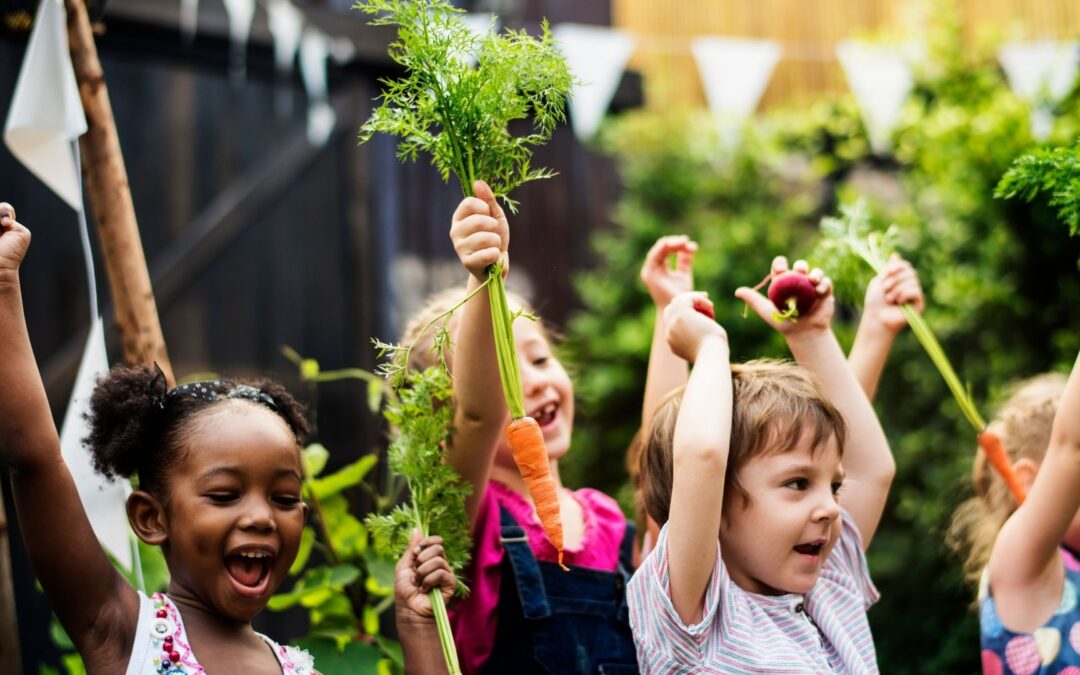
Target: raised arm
882	320
868	463
1026	571
666	372
481	236
700	454
96	606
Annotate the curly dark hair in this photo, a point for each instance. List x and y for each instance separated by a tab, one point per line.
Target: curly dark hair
131	433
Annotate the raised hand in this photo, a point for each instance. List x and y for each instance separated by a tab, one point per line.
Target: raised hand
688	324
421	568
14	240
896	286
815	320
480	232
663	282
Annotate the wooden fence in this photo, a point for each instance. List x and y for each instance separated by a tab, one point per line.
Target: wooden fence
808	31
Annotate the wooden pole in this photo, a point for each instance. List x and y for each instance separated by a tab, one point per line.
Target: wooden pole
9	633
110	199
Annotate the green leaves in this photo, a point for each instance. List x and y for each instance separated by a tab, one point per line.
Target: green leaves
422	417
458	113
1056	171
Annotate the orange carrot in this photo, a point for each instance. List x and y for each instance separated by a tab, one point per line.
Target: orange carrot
999	459
527	443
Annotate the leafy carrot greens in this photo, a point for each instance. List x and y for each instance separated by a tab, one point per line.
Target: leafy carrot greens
455	101
1054	170
458	112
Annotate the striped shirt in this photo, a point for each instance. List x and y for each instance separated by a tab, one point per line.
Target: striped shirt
825	631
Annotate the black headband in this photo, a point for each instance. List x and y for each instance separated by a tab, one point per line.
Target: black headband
208	390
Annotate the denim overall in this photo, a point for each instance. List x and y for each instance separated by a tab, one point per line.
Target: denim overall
553	621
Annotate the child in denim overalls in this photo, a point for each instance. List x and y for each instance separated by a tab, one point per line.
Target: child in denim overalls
524	614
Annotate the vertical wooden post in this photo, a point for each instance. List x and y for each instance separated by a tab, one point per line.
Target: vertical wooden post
9	633
110	199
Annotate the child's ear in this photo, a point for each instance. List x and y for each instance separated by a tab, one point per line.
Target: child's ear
147	517
1025	469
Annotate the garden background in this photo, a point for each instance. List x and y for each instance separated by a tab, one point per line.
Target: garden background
323	247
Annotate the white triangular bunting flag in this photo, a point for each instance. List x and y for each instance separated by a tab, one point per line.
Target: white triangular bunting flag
46	113
314	50
189	18
1041	73
734	73
102	500
286	25
597	57
880	79
241	13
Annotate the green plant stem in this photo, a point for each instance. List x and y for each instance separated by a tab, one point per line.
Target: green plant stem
502	323
873	257
438	607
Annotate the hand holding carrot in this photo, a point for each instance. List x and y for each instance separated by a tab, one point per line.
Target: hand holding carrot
421	568
815	319
14	240
480	232
661	280
896	286
688	323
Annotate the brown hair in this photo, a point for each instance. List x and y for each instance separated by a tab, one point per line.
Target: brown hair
775	403
1023	423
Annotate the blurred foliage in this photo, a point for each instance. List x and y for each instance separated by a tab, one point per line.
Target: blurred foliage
1000	279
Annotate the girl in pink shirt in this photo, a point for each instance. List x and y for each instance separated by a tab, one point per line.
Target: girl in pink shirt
524	614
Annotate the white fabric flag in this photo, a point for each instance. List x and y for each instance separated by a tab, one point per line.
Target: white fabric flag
46	114
1041	73
189	18
597	57
103	501
314	50
286	25
880	79
734	73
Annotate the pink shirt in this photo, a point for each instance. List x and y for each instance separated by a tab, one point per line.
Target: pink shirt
475	618
825	631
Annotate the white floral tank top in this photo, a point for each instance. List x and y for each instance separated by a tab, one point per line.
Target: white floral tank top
162	648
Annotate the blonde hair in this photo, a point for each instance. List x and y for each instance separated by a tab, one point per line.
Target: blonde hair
775	403
1024	421
420	331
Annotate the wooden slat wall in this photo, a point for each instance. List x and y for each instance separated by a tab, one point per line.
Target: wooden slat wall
807	31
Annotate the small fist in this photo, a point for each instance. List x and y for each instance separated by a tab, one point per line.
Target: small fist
421	568
14	239
688	324
897	285
480	232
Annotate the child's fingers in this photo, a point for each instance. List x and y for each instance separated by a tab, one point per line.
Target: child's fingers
801	266
428	567
442	578
761	305
824	287
779	265
815	276
429	552
483	191
471	206
408	559
7	212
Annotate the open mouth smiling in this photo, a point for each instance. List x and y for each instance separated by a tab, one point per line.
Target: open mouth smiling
545	415
249	570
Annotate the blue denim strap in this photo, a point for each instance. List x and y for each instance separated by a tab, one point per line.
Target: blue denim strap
529	583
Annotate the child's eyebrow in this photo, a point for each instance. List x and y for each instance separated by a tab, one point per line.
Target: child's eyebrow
235	472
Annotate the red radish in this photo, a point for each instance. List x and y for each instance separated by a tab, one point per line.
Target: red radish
705	308
793	294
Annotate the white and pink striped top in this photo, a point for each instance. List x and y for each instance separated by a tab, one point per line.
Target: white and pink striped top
824	632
